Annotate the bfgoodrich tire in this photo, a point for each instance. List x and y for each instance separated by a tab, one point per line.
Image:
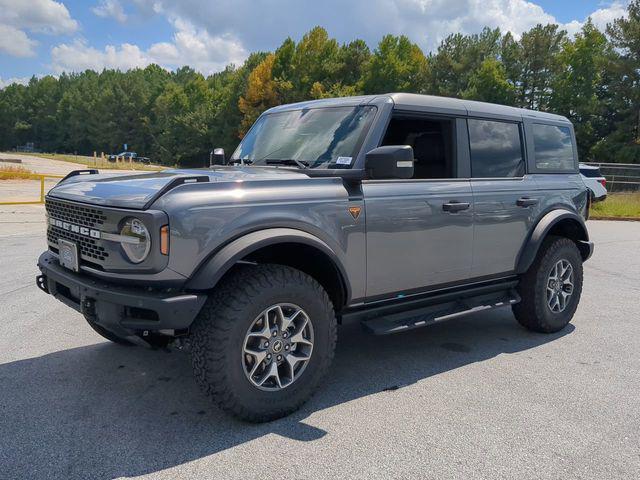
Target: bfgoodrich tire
551	288
252	335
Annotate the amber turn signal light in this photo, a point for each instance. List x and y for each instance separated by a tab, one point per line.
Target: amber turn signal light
164	240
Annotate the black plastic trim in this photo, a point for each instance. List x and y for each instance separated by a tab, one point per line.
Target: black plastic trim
87	171
173	184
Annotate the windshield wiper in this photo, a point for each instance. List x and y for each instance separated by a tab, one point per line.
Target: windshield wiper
240	161
287	161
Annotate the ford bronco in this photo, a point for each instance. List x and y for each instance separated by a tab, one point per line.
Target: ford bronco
395	210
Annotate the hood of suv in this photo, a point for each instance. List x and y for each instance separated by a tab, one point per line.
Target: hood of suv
138	190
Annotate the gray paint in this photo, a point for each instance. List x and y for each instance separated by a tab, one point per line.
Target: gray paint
402	241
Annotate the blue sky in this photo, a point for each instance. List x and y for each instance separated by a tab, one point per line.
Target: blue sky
39	37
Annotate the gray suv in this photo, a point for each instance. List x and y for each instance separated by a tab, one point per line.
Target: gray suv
395	210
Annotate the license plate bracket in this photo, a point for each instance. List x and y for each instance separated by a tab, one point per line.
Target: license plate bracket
68	255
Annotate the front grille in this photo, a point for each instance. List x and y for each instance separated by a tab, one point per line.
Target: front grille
88	247
78	214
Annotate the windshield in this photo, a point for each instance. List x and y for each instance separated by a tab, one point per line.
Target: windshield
310	138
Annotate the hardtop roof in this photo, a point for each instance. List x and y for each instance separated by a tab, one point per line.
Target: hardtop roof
428	103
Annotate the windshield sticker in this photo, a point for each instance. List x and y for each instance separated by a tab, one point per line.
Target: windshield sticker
343	161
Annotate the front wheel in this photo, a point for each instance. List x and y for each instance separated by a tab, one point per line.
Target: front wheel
263	341
551	288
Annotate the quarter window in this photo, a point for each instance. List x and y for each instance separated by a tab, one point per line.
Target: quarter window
553	147
496	149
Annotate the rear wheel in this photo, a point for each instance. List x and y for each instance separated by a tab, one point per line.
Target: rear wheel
551	288
263	341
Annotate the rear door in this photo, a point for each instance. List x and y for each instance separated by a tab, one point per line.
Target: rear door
506	199
420	230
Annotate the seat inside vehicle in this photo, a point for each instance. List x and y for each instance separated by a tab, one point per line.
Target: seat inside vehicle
432	143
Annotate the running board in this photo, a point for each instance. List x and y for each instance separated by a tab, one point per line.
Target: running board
403	321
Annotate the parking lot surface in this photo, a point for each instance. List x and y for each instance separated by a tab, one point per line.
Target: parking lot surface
475	397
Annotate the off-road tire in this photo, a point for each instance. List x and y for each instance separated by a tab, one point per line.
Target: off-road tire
533	311
219	330
112	337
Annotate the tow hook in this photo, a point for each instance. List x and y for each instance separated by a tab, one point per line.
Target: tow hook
89	307
41	282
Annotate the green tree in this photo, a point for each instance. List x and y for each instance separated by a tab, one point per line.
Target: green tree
458	58
489	84
622	144
578	89
397	64
539	60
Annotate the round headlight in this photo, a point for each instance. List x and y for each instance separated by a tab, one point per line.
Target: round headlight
138	247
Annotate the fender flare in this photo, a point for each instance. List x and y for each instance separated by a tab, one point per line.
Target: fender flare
542	229
213	269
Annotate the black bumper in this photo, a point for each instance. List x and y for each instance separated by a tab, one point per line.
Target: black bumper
586	249
120	309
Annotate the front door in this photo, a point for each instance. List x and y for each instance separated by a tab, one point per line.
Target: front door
420	231
419	234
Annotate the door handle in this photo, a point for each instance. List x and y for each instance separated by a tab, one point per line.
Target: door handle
526	202
453	206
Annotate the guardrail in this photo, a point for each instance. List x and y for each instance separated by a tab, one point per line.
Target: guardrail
42	191
620	177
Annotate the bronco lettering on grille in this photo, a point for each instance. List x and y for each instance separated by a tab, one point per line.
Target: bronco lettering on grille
71	227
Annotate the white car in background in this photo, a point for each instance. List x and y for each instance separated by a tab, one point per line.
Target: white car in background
594	180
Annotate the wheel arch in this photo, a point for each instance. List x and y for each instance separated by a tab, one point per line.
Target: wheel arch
560	222
284	246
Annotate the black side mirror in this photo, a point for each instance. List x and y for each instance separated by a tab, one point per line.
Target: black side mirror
216	157
392	161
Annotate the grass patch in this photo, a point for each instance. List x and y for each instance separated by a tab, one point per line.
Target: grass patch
618	205
97	162
17	173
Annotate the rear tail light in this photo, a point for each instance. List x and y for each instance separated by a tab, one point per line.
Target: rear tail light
603	182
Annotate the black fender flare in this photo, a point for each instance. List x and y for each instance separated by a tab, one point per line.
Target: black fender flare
214	268
542	229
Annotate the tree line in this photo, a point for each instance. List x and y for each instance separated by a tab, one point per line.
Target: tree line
176	117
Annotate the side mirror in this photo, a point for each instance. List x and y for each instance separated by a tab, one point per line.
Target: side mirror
217	157
392	161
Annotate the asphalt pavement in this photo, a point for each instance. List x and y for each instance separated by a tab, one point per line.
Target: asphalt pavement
475	397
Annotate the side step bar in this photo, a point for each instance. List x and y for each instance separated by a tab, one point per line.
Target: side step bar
437	312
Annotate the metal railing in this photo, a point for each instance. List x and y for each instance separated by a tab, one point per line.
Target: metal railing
621	177
42	190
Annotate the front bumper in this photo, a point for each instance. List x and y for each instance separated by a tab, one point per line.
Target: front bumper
586	249
123	310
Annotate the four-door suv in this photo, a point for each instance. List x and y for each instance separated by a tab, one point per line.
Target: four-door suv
395	210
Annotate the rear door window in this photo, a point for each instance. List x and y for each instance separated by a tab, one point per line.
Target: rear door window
553	147
496	149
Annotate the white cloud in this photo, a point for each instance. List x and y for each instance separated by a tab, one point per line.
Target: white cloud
15	42
78	56
210	34
110	9
12	80
38	16
190	46
263	25
604	16
42	16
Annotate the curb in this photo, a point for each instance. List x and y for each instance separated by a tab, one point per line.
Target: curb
623	219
